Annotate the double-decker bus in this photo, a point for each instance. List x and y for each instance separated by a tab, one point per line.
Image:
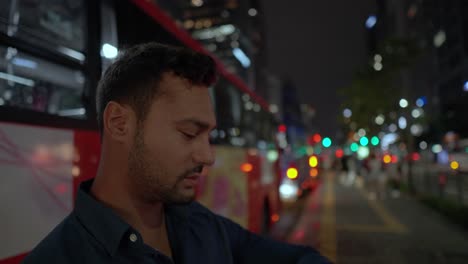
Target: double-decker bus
52	53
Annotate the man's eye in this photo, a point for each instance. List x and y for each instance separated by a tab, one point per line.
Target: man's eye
188	135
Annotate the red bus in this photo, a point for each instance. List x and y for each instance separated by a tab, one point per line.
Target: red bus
52	53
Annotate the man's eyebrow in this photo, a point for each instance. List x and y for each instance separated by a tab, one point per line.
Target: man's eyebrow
201	124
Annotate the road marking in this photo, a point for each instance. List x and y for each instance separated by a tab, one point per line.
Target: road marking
327	236
391	224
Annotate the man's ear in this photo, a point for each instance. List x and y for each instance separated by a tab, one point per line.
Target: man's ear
118	120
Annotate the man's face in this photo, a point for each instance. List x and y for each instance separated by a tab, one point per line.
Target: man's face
171	147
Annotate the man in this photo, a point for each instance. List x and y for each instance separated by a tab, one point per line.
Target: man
155	116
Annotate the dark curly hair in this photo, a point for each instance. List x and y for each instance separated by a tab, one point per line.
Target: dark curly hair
134	77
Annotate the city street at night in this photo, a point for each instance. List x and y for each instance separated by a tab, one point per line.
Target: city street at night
348	227
234	131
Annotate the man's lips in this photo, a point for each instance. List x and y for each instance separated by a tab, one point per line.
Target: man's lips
194	176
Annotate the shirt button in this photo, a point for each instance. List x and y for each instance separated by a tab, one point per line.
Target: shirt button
133	237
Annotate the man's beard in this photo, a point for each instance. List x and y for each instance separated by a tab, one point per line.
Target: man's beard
146	177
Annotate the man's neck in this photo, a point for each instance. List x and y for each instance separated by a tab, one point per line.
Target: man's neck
146	218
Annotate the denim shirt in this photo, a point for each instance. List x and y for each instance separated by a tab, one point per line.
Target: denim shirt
93	233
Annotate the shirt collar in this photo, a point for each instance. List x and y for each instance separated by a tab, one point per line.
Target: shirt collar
99	220
109	229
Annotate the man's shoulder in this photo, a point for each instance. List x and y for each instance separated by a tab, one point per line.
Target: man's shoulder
61	245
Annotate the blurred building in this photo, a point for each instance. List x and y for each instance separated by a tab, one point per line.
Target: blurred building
273	95
292	114
433	35
230	29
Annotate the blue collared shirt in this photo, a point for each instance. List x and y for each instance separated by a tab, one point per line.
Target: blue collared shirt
93	233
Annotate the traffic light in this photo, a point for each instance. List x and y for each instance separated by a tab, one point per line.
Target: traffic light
282	128
316	138
364	141
326	142
292	173
313	161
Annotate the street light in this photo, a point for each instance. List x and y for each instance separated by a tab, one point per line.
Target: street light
423	145
371	21
378	58
402	122
361	132
347	113
421	101
416	113
403	103
380	119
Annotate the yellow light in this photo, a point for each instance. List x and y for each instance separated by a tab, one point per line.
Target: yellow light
313	161
313	172
454	165
246	167
387	159
292	173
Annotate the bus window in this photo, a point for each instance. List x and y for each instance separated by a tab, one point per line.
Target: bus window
261	126
31	83
53	24
109	42
267	128
228	112
249	120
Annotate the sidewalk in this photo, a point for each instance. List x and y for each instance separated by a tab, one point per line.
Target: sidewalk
348	227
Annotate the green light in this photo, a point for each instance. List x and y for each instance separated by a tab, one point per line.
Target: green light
375	141
326	142
300	152
354	147
303	150
466	149
364	141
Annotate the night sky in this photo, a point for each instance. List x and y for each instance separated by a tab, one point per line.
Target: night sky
319	44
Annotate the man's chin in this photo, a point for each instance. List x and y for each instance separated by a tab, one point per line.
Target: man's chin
182	201
183	197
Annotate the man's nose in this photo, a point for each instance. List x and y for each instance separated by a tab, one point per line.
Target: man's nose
204	154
